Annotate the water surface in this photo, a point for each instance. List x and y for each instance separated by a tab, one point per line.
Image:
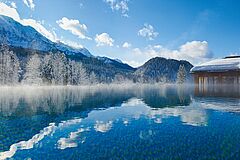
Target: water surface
112	122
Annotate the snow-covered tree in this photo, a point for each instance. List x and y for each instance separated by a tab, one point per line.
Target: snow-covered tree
9	67
69	73
72	73
59	66
76	73
118	78
5	65
162	79
57	70
93	78
33	75
15	69
181	75
47	68
141	79
83	78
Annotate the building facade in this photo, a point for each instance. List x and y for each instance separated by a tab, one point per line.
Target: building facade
217	77
218	72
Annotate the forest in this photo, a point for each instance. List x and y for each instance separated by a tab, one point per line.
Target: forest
57	69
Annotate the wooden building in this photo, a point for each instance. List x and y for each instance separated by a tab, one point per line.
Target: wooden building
218	77
218	72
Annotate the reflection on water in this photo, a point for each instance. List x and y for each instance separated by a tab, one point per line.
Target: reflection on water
228	91
112	122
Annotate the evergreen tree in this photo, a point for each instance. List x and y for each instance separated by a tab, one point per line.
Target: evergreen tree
82	75
93	78
47	69
33	75
5	65
69	73
76	74
181	75
9	67
72	73
59	66
118	78
15	69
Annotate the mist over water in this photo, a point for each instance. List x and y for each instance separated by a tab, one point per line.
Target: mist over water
117	122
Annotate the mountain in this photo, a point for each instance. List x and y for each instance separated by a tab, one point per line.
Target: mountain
25	40
15	34
70	50
162	69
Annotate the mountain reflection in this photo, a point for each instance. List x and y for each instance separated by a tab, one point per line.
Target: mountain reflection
67	117
20	102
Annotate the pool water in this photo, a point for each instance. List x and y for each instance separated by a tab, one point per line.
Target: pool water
112	122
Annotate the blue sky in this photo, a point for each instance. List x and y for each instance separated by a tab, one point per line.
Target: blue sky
136	30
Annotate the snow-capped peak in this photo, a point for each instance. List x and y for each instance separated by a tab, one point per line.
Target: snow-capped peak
15	34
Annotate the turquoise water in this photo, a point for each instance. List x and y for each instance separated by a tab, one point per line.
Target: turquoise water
126	122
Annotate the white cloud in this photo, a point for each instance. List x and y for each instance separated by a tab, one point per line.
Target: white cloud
13	4
119	5
195	52
74	26
104	39
148	32
126	45
29	3
157	46
9	11
12	12
195	49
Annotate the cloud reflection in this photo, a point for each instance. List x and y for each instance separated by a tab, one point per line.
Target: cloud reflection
131	110
103	127
71	142
122	106
28	144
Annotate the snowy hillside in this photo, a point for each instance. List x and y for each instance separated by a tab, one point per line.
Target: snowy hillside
162	70
25	41
17	35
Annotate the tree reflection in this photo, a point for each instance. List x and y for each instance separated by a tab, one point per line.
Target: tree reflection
75	113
